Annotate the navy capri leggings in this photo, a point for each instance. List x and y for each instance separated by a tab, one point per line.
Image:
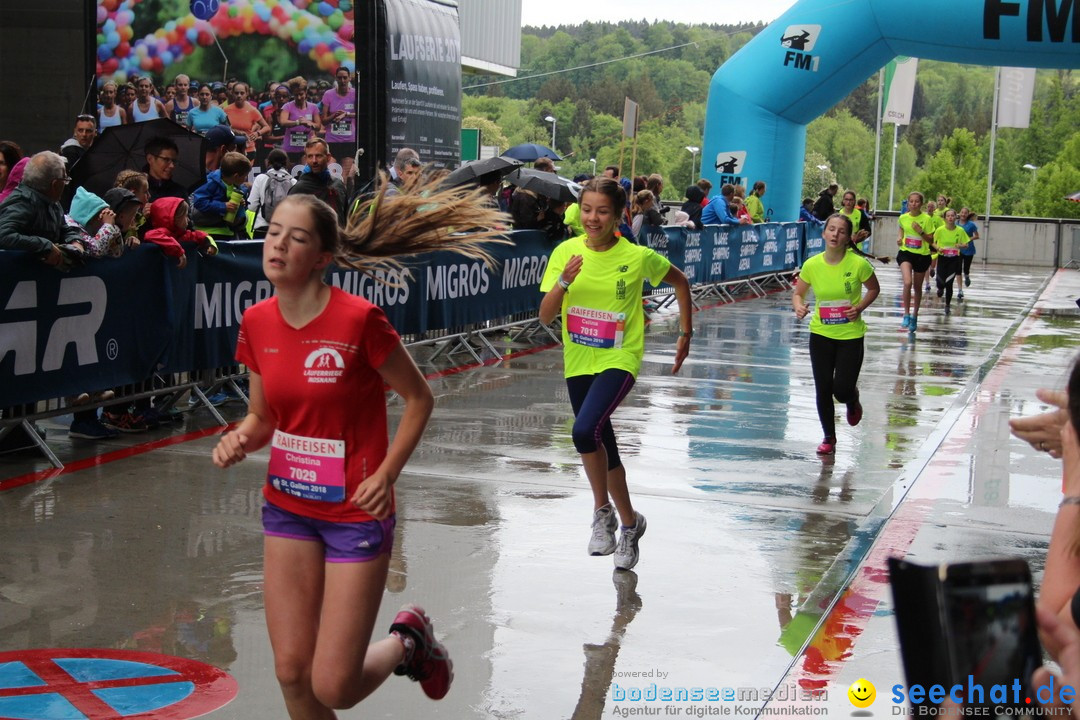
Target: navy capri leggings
594	399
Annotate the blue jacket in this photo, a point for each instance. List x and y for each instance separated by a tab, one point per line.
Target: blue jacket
717	213
807	216
210	197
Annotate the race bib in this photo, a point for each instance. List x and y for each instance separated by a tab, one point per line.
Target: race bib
308	468
595	328
832	312
913	242
950	252
341	127
181	118
297	138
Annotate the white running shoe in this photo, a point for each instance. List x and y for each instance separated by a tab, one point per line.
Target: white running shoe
626	554
604	525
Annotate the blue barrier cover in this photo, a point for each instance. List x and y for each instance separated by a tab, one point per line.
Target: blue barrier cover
99	326
115	322
814	243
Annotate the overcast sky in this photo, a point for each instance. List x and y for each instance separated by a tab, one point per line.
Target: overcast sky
575	12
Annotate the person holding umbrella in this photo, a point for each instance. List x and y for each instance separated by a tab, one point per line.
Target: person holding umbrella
594	282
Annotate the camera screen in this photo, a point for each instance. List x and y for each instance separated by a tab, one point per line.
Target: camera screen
991	632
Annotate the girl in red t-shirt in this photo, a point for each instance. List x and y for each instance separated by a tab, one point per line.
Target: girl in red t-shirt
318	360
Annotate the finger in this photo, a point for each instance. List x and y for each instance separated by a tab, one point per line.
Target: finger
1060	398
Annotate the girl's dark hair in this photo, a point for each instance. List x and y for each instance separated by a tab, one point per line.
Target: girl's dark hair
277	158
610	189
852	245
1074	395
420	219
12	153
758	186
851	193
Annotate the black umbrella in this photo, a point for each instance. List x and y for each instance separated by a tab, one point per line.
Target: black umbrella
531	152
545	183
481	172
121	148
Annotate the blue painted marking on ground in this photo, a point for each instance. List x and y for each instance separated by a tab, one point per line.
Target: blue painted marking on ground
98	669
46	706
146	698
17	675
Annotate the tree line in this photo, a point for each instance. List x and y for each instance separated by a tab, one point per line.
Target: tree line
580	74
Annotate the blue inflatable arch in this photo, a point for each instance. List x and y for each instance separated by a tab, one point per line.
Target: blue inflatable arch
762	98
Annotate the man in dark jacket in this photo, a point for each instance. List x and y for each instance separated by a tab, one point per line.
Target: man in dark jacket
32	219
824	206
318	181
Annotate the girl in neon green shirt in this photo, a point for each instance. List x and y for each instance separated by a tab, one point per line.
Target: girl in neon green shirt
594	282
914	256
949	239
837	277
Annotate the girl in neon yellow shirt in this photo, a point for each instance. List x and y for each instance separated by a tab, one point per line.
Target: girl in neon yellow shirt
837	277
949	239
594	282
914	256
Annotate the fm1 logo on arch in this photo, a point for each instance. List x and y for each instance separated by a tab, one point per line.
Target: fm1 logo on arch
730	166
90	684
800	40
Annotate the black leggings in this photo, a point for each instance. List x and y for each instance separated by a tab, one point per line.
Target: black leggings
948	269
836	365
594	398
967	264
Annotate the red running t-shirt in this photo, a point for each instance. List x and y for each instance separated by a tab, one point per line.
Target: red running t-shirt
325	398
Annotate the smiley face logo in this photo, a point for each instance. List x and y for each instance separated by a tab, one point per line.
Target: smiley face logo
862	693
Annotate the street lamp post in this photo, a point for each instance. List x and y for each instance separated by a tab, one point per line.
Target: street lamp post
551	119
593	161
694	150
823	168
1034	171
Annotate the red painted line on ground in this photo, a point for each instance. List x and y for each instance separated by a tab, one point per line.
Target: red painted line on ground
105	458
142	448
78	694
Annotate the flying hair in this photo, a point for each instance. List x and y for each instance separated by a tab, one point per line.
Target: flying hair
420	219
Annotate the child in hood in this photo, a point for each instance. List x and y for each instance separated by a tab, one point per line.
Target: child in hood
169	220
93	216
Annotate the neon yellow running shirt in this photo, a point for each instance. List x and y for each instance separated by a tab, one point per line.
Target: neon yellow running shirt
913	242
946	240
836	288
603	323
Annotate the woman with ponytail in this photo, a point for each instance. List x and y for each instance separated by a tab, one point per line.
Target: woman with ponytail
319	360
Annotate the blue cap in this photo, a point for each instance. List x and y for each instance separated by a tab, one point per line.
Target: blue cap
219	135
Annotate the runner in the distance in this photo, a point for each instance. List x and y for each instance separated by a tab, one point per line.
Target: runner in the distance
949	240
319	359
837	329
968	219
913	256
594	283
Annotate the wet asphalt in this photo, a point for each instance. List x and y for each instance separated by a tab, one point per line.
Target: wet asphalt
763	565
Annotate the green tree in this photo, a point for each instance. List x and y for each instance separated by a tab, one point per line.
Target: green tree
490	133
957	170
1058	179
